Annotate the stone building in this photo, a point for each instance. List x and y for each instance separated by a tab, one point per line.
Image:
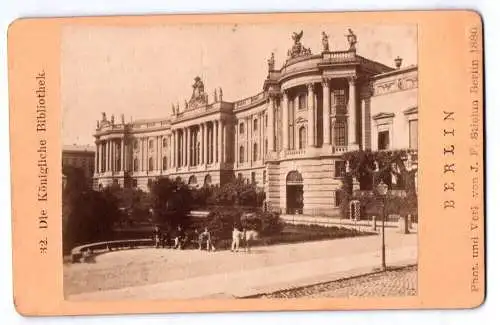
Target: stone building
82	157
287	139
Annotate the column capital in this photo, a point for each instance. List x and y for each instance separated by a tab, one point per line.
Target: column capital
310	86
325	81
352	79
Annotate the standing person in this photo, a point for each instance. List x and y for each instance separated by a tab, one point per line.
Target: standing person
179	237
205	237
235	245
157	236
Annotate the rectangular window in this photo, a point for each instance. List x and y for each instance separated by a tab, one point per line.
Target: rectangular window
302	102
253	178
339	168
340	135
383	140
413	126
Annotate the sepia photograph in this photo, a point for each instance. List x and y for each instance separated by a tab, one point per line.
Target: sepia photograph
239	161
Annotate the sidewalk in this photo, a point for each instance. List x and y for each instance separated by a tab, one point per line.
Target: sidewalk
274	268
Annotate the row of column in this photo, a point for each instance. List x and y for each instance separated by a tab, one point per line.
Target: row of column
327	140
110	155
198	144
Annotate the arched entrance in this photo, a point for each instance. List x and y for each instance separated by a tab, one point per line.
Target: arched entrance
294	193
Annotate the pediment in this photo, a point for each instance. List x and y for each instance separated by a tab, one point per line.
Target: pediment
383	115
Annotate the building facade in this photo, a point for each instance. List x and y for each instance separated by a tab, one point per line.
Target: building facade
81	157
288	139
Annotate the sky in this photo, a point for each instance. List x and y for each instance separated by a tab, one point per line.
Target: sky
141	71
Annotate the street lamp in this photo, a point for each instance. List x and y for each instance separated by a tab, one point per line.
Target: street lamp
382	189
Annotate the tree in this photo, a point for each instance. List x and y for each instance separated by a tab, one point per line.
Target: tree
371	168
88	215
171	201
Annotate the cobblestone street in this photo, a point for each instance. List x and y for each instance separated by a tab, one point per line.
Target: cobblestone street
400	282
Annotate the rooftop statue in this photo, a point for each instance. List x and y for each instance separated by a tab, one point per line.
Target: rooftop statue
270	62
298	49
112	119
199	97
220	94
104	119
326	46
123	119
173	109
215	95
352	39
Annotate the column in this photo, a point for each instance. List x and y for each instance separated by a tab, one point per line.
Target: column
351	132
219	139
310	115
122	160
108	155
189	149
285	120
326	113
204	143
263	135
224	140
270	125
363	124
96	158
175	147
212	151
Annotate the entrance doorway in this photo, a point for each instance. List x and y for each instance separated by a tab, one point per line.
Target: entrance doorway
294	193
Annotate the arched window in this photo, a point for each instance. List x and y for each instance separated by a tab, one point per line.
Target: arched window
208	180
192	180
302	137
265	146
150	165
164	142
255	152
151	144
136	144
164	163
242	128
242	154
136	164
255	124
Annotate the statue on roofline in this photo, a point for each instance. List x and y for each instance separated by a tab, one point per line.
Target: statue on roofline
326	46
270	62
220	94
352	39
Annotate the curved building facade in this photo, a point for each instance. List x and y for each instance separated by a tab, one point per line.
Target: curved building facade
287	138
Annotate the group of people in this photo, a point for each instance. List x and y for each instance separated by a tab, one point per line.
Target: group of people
204	240
163	239
243	235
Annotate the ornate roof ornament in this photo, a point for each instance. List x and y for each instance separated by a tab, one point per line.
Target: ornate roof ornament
270	62
199	96
324	40
298	49
352	39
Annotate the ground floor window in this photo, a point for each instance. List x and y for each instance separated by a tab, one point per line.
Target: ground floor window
383	140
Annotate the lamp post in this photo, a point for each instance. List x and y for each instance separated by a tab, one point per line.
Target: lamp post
382	189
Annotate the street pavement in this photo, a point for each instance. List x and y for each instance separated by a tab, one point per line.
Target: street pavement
173	274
